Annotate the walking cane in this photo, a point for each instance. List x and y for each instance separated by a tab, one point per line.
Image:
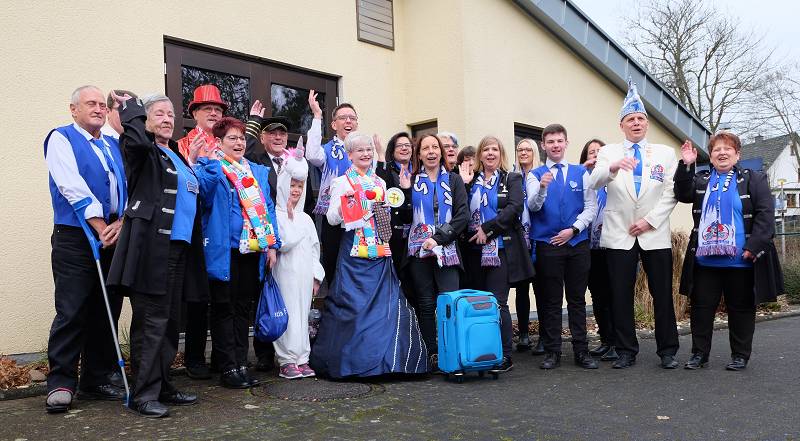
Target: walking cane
80	208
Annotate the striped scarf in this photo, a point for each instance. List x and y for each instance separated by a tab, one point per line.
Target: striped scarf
366	243
431	200
258	233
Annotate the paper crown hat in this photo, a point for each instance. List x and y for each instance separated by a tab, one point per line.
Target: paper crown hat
633	102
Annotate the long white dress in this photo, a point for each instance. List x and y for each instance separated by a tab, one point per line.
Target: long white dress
297	267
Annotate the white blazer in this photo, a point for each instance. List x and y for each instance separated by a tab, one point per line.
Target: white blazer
654	203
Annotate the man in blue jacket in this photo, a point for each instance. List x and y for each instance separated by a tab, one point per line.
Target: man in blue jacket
83	163
562	207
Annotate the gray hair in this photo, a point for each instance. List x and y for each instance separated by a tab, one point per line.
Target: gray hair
357	138
76	94
450	135
152	98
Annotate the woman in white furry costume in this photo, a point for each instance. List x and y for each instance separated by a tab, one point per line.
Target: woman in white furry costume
299	252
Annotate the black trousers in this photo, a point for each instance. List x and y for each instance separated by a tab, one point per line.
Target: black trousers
196	334
231	311
330	240
562	271
154	330
80	329
428	281
494	279
623	264
600	288
736	284
522	302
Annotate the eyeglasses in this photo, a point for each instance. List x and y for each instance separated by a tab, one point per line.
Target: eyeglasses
448	146
523	149
361	151
403	145
347	117
234	138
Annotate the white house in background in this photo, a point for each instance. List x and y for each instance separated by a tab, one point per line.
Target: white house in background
781	166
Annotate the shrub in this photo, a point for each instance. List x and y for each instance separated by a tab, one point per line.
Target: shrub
643	303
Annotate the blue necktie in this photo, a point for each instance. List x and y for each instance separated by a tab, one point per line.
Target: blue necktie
559	173
637	171
117	174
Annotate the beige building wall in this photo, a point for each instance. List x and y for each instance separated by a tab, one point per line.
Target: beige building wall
475	66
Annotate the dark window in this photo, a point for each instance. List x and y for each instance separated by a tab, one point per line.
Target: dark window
424	128
292	103
242	79
375	22
235	89
522	131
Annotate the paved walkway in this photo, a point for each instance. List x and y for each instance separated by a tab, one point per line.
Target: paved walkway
641	403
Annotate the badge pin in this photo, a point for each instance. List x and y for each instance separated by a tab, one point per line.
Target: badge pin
395	197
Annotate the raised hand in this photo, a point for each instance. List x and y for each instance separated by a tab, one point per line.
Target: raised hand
405	177
257	109
199	144
119	99
627	163
688	153
466	172
589	164
314	105
547	178
380	150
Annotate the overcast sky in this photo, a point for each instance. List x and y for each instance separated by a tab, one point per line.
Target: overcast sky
777	20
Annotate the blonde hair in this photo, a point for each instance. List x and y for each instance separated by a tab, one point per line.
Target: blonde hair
487	141
535	160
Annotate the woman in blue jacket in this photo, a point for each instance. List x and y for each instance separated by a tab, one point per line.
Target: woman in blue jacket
240	236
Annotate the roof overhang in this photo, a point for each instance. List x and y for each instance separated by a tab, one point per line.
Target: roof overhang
575	29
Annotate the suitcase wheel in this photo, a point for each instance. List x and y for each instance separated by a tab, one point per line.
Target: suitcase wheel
482	374
495	375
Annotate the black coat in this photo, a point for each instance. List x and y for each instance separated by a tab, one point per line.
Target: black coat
446	233
140	258
400	216
510	204
759	226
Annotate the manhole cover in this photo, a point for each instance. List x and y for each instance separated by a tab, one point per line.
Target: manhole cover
316	390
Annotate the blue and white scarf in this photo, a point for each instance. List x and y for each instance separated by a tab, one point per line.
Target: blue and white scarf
424	221
597	223
525	217
716	234
336	164
483	208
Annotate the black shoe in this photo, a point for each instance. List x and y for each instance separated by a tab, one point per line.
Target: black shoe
150	409
551	360
600	350
246	376
265	365
198	372
178	398
105	392
668	362
610	355
696	361
539	348
736	364
624	361
233	379
524	342
585	360
505	366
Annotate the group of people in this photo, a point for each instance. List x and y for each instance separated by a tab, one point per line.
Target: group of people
200	224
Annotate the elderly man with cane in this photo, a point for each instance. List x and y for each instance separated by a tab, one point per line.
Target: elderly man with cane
87	186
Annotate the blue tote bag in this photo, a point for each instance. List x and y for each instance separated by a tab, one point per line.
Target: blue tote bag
271	315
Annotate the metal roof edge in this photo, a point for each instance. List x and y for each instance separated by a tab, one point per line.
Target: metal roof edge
575	29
